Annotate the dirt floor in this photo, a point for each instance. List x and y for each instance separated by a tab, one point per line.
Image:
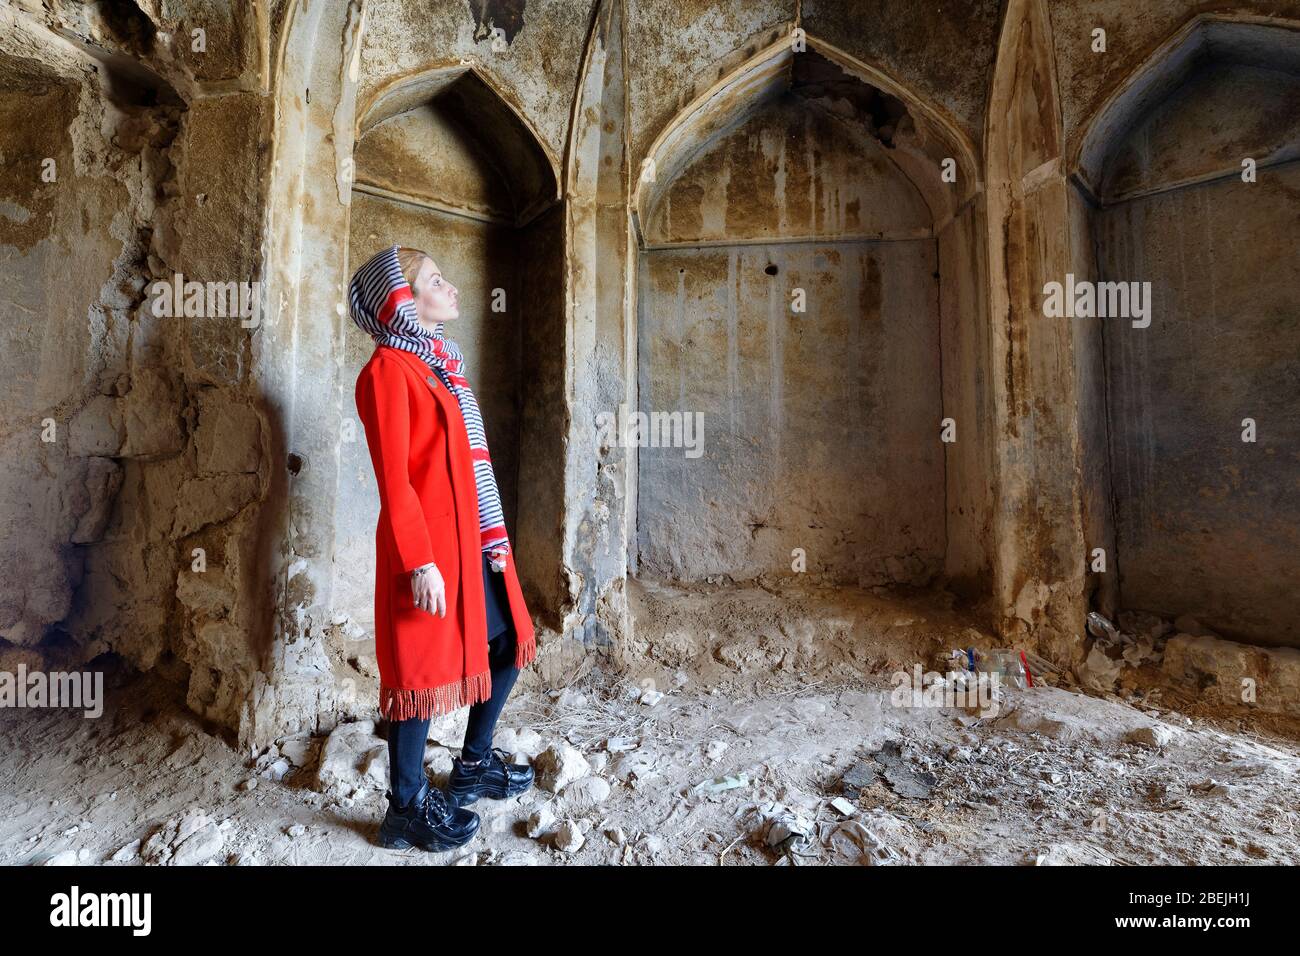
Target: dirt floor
719	736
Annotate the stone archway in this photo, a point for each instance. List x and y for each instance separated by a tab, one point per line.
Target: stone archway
443	164
832	417
316	609
1203	523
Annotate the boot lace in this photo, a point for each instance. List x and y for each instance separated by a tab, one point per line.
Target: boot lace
435	806
498	757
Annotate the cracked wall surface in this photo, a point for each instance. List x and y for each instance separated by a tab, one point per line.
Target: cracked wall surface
152	447
190	492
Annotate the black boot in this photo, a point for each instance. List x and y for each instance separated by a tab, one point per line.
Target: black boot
429	821
492	777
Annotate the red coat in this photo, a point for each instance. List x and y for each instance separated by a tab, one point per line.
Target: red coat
428	512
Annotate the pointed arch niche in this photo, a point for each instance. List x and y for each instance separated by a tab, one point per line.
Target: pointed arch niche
443	164
810	179
1205	524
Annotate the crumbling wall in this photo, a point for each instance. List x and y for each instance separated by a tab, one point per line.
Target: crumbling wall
144	440
198	508
64	302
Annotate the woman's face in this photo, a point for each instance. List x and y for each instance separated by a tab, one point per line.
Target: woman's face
436	299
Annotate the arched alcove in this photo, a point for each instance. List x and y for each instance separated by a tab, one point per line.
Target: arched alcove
1205	523
443	164
318	515
801	257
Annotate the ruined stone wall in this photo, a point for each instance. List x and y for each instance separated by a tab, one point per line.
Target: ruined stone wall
135	437
200	507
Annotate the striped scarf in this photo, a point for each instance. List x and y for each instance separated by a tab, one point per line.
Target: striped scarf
383	307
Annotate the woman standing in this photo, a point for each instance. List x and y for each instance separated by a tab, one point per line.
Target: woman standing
451	626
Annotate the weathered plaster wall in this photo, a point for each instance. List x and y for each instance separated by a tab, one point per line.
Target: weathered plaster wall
424	155
819	428
966	346
1231	111
536	61
799	173
1134	31
1201	521
235	164
600	345
1207	524
1038	540
1098	501
943	51
676	51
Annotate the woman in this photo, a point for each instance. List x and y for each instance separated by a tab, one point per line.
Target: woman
451	626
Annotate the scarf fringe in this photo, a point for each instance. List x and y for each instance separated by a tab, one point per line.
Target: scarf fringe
425	702
525	652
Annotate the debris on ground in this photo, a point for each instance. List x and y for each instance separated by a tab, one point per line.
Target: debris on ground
559	765
721	784
569	837
903	778
833	772
187	840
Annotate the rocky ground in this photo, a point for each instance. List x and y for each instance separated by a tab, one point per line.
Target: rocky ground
750	756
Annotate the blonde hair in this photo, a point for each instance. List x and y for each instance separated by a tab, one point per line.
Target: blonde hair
410	261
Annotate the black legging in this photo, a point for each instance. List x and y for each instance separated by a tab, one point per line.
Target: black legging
406	738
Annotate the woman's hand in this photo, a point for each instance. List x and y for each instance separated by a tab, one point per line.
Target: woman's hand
428	590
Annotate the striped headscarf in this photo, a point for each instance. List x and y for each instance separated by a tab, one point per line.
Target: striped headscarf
384	308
